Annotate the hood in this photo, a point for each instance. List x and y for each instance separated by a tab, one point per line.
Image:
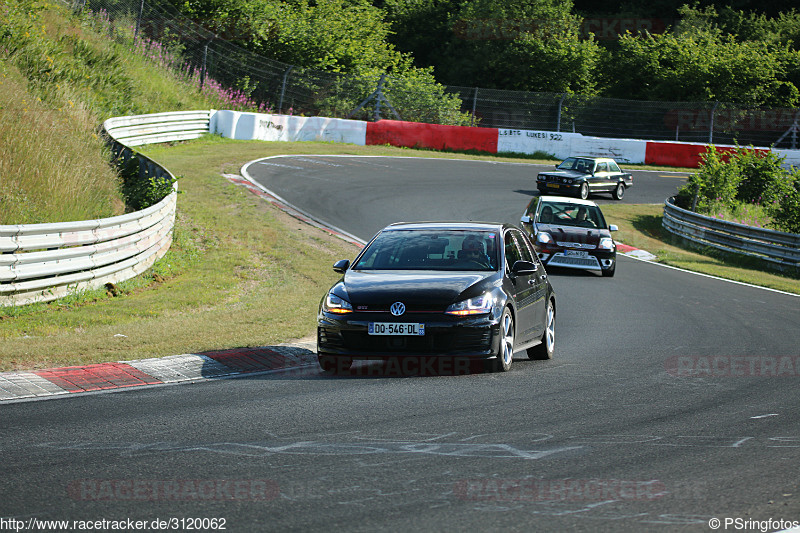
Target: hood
418	290
574	234
566	173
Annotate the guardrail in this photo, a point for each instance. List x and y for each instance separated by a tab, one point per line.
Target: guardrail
779	249
42	262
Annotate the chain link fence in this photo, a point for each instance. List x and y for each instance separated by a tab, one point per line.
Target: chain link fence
164	35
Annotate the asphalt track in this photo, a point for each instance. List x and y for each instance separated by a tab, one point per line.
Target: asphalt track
363	194
608	436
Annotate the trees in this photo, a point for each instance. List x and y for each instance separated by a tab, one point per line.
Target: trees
698	61
509	44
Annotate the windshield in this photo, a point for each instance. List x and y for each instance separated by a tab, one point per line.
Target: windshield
577	163
570	214
431	250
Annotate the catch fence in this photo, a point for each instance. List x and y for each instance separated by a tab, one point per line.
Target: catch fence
252	81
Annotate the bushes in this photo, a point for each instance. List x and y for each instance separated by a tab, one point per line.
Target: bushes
787	210
745	177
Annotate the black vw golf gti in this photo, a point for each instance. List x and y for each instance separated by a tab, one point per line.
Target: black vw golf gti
439	289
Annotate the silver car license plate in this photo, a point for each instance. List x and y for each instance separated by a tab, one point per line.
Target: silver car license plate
576	253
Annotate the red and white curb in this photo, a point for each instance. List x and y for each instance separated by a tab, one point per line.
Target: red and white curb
35	384
636	253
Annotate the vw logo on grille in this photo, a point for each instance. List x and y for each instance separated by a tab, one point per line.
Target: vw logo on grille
397	308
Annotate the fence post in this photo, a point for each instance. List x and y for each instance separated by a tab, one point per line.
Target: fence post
138	23
283	88
203	68
560	103
711	129
474	104
377	115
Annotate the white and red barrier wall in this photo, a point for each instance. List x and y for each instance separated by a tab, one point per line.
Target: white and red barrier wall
271	127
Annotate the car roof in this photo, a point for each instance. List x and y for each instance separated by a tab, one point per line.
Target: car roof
576	201
453	225
592	158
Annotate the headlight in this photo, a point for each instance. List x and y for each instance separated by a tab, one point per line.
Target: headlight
544	238
336	305
606	244
474	306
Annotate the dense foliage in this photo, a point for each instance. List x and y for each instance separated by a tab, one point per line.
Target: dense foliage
747	56
337	36
745	177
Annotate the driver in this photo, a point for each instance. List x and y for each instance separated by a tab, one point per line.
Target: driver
472	250
583	218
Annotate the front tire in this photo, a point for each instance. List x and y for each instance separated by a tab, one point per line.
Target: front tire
619	191
505	353
334	365
609	272
545	349
584	192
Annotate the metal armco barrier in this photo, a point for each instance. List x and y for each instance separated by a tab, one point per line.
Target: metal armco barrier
43	262
782	250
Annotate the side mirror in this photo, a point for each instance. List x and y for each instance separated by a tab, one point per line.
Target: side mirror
524	268
613	227
525	219
341	265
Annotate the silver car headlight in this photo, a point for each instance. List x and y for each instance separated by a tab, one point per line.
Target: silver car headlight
606	243
544	238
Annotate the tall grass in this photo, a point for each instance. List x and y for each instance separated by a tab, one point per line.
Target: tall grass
52	164
61	76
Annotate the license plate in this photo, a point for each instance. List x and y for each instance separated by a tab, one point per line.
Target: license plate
576	253
554	185
396	328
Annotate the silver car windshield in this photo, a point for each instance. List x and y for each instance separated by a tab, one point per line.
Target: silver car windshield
570	214
433	249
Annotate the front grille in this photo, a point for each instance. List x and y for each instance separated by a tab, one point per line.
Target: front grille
556	179
583	262
432	343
